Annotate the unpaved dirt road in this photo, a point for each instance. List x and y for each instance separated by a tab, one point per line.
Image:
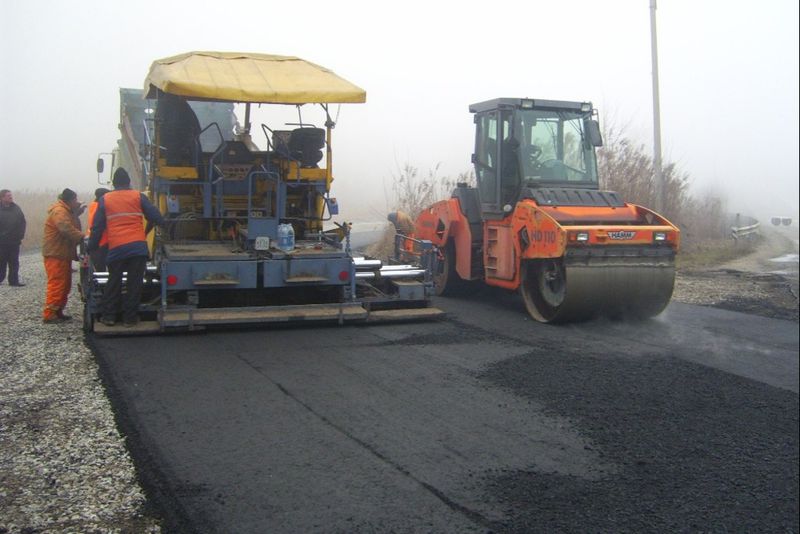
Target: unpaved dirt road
485	421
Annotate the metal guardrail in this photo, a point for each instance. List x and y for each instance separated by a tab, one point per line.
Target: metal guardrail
745	231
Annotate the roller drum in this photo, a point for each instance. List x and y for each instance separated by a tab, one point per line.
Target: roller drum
634	287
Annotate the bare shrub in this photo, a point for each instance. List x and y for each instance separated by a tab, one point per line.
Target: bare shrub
413	193
627	168
383	248
706	218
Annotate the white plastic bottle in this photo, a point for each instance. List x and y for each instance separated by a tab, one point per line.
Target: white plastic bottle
285	237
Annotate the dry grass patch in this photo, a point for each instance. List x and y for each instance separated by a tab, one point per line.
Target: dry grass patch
713	252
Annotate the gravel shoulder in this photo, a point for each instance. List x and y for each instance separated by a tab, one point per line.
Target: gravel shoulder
64	466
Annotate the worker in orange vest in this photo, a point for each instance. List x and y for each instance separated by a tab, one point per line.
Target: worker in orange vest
121	213
98	257
61	237
403	225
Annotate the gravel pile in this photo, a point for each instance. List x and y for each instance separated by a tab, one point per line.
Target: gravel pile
765	294
63	464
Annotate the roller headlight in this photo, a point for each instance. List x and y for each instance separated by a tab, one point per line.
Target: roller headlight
579	237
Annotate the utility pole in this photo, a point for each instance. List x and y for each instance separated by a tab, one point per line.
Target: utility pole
658	177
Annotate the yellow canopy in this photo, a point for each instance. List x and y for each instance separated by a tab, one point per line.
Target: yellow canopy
243	77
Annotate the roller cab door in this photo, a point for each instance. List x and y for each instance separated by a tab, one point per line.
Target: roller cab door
486	158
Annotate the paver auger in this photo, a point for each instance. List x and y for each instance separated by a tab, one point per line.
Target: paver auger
538	222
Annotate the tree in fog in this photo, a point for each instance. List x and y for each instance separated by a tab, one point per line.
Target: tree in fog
626	167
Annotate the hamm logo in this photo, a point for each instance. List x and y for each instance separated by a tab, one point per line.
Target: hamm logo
621	235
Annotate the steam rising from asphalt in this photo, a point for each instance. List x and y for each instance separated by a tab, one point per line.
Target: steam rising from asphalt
786	258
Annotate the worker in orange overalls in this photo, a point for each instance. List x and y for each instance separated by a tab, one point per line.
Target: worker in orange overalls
61	236
98	256
121	213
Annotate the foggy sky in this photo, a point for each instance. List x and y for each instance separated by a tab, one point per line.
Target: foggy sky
728	72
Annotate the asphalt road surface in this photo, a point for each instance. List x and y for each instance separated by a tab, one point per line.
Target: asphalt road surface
482	422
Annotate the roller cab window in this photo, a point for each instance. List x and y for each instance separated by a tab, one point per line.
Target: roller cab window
554	149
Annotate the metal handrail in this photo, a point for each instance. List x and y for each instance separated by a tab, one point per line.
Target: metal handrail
745	231
424	254
145	158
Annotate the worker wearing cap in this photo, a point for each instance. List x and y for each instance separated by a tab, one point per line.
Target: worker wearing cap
61	236
98	256
403	225
121	213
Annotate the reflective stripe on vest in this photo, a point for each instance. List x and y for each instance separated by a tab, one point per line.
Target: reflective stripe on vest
90	221
124	217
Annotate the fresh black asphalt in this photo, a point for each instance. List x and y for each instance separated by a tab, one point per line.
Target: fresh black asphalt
482	422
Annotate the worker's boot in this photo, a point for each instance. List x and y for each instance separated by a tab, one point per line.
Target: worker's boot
50	316
52	319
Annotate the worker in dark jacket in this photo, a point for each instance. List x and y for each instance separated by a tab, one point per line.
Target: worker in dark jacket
121	213
12	231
